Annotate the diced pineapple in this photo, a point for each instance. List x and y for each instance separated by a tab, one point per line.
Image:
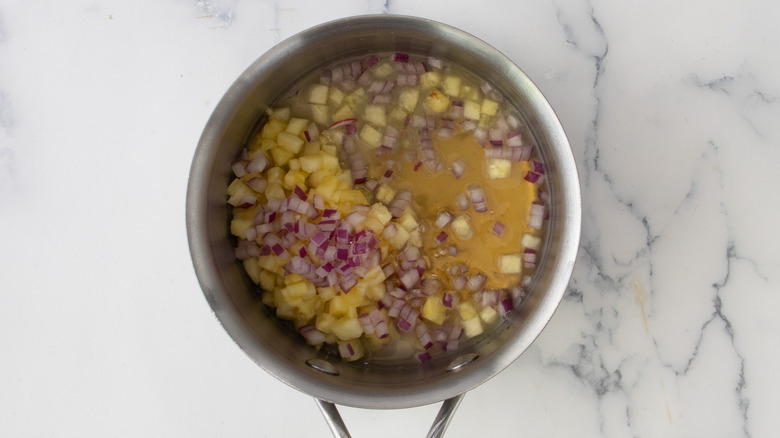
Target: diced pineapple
237	186
268	299
302	290
372	224
415	238
451	85
318	94
408	220
383	70
267	144
325	322
332	151
336	96
347	328
375	275
470	92
267	279
510	264
320	114
489	107
530	241
326	293
472	110
281	155
466	310
294	164
343	112
489	315
311	148
371	136
376	114
241	221
400	238
275	175
385	193
296	126
274	191
270	263
462	227
356	98
376	292
436	102
327	187
397	116
285	311
282	114
499	168
310	163
433	310
408	98
241	192
381	213
252	269
291	142
430	79
273	128
472	327
295	178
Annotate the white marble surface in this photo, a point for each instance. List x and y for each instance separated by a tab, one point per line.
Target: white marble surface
669	328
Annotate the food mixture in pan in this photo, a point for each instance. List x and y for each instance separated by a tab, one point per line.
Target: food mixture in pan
391	207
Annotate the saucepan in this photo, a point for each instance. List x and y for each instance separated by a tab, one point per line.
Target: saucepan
271	343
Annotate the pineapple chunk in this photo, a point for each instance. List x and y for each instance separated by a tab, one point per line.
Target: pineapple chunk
291	142
383	70
397	116
415	238
451	85
466	310
242	221
267	279
275	175
282	114
471	110
326	293
347	328
371	136
433	310
436	102
408	98
274	191
252	269
499	168
281	155
320	114
302	291
238	186
325	322
381	213
267	144
376	114
343	112
530	241
296	126
270	263
430	79
376	291
318	94
408	221
472	327
510	264
310	163
462	227
336	96
273	128
489	107
489	315
295	178
400	238
385	193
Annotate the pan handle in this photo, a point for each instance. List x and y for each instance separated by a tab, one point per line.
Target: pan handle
439	426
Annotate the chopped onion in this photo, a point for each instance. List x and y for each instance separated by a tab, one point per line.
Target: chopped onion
498	228
458	168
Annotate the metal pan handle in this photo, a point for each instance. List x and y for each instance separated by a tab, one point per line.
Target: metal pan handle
439	426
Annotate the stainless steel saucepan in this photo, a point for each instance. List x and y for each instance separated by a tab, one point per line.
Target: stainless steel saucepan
270	343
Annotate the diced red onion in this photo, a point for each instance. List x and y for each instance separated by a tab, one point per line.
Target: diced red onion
532	177
343	122
458	168
239	169
441	237
498	228
257	184
444	219
462	201
312	335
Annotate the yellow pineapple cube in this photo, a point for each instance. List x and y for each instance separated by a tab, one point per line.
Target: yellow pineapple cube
472	110
451	85
467	310
320	114
385	193
376	114
272	129
347	328
310	163
371	136
267	279
489	107
436	102
462	228
408	98
430	79
335	96
343	112
530	241
400	238
499	168
295	178
472	327
291	142
433	310
274	191
296	126
510	264
318	94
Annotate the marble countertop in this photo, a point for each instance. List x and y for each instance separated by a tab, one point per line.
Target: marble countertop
669	325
